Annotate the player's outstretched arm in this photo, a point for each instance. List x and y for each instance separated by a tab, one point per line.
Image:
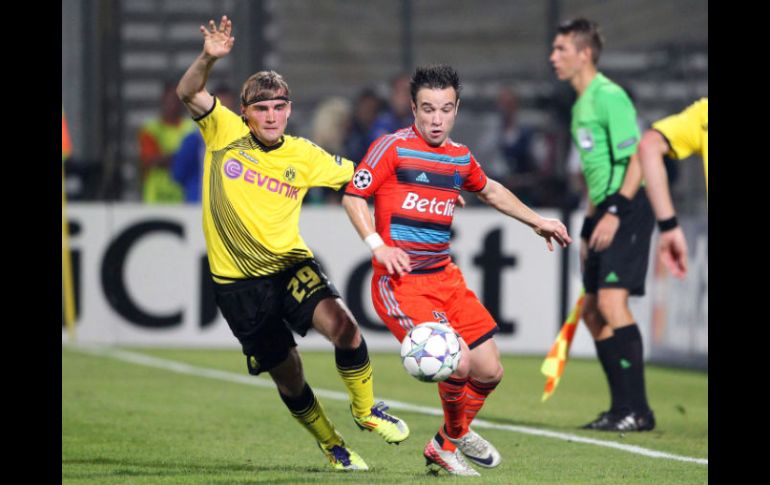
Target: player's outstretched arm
394	259
496	195
217	43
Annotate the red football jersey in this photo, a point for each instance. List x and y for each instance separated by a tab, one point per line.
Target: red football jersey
415	188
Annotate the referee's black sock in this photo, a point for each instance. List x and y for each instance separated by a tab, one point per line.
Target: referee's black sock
609	355
632	364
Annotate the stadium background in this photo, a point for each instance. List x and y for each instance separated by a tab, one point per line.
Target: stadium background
116	56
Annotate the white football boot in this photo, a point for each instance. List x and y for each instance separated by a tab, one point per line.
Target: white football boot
477	449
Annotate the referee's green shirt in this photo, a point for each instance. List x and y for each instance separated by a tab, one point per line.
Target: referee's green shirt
606	134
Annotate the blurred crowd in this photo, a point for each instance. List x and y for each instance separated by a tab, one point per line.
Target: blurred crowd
522	156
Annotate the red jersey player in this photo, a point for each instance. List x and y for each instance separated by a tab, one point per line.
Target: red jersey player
416	175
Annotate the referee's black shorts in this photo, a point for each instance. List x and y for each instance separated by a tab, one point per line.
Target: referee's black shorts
624	263
262	312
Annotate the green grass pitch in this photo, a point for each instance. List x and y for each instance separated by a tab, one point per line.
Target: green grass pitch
124	423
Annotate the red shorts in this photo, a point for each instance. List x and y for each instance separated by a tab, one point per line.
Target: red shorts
406	301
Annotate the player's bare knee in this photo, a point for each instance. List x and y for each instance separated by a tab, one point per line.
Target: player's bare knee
593	318
464	367
611	307
288	375
289	382
492	373
590	310
345	333
498	376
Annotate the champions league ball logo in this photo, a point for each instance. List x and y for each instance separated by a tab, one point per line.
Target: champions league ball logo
362	179
430	352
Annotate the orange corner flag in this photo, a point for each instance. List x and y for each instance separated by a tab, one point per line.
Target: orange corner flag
68	295
66	144
553	365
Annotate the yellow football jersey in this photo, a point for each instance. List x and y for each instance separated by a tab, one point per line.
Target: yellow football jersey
688	132
252	196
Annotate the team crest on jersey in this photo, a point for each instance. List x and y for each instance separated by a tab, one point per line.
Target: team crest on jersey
458	181
338	160
440	317
253	363
289	174
585	139
362	179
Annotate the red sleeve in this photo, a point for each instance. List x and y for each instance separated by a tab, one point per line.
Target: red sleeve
376	167
476	179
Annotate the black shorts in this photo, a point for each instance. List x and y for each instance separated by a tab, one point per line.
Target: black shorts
624	263
261	312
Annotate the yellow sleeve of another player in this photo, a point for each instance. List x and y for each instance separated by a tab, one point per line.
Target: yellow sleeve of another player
327	170
220	126
684	130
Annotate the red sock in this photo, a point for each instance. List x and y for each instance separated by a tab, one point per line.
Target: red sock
475	394
453	398
443	441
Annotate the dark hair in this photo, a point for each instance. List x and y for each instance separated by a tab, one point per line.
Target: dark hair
263	85
437	76
586	35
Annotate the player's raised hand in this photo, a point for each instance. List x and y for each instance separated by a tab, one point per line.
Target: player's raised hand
217	41
553	229
394	259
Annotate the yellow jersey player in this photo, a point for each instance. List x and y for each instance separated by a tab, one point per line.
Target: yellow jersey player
678	136
267	283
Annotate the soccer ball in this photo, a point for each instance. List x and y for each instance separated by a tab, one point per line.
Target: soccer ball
430	352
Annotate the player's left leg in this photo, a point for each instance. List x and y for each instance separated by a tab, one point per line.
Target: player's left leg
401	303
613	305
333	319
299	398
606	350
453	399
444	448
477	327
316	302
622	274
486	372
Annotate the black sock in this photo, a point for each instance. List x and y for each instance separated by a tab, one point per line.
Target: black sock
350	359
439	438
632	364
301	403
608	353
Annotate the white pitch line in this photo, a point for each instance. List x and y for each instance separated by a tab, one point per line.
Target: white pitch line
183	368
